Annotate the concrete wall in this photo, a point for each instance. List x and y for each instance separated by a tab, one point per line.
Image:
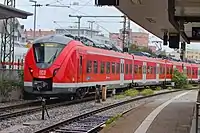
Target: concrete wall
9	74
16	93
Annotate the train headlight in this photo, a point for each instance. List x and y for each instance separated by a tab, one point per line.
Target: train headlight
55	71
31	71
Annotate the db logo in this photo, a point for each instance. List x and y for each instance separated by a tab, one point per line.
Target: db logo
42	72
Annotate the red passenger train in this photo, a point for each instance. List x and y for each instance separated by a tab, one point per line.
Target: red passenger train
57	65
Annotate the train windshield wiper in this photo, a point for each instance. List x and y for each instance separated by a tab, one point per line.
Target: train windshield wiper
53	57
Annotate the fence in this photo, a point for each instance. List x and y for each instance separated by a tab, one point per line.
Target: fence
13	65
11	74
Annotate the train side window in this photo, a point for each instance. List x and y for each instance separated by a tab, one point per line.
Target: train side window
140	69
136	69
122	67
118	68
95	67
130	68
102	67
108	67
113	67
89	66
148	70
144	70
160	70
126	69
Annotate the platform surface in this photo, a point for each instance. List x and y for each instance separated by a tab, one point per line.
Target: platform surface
171	113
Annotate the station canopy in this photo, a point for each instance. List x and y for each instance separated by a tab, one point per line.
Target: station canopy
11	12
157	16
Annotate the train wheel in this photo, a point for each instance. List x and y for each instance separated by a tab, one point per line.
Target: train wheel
81	92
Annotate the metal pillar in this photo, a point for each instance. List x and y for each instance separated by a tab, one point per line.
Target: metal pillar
79	25
7	42
91	27
79	18
124	34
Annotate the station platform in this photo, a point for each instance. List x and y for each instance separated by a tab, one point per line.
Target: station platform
171	113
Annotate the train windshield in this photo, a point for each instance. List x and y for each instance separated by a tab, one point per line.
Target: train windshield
46	53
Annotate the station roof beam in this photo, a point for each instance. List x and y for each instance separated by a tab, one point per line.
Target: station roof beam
184	15
11	12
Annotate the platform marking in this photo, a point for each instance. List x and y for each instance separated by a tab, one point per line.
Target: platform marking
149	119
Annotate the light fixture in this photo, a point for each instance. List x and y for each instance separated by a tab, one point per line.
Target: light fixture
137	2
151	20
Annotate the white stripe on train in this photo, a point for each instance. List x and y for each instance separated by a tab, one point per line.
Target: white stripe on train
64	85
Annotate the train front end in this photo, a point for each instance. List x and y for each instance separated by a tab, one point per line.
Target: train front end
42	66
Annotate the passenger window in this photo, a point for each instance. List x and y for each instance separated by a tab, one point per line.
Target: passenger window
102	67
95	67
130	68
113	67
108	67
126	68
122	67
135	69
118	68
89	66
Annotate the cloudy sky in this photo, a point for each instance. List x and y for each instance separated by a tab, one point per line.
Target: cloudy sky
58	17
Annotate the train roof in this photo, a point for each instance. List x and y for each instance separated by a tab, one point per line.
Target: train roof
54	38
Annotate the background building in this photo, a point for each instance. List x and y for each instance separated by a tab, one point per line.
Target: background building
193	54
29	34
140	39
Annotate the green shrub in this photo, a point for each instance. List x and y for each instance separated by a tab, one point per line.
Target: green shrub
112	119
131	92
180	79
169	88
187	86
147	92
158	88
119	96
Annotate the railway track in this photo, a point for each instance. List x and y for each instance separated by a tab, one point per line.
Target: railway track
21	105
89	122
50	104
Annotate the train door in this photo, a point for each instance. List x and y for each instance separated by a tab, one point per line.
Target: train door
157	72
144	72
121	71
80	68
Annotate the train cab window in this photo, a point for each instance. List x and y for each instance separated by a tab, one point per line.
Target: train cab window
130	68
108	67
113	67
95	67
102	67
46	53
89	66
118	68
126	69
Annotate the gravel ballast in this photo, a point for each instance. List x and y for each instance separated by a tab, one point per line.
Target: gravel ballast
66	112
